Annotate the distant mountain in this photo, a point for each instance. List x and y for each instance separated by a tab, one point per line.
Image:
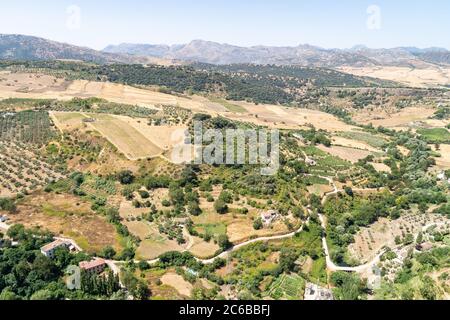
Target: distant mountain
216	53
303	55
20	47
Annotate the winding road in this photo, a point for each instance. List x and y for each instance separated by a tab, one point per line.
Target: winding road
331	266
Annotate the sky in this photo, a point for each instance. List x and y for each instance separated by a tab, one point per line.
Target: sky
325	23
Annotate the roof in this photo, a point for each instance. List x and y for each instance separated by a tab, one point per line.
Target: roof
269	213
87	265
55	244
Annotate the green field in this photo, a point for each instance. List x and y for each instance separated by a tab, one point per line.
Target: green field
371	139
437	135
287	287
230	106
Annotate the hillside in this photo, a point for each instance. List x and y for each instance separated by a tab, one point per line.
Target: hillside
260	84
304	55
20	47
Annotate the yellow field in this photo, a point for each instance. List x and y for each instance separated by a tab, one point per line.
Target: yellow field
351	143
415	77
349	154
122	132
443	162
67	216
24	85
176	281
275	116
132	143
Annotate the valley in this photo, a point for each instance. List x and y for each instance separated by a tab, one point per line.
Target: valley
357	208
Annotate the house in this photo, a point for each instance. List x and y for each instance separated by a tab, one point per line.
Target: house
268	217
49	249
314	292
94	266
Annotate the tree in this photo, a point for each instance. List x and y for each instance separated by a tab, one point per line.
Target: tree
143	265
108	252
349	286
348	191
220	206
42	295
7	205
224	242
258	224
142	292
287	259
419	239
194	208
16	232
125	177
428	289
8	294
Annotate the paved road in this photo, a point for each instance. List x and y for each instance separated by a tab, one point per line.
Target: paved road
225	254
330	264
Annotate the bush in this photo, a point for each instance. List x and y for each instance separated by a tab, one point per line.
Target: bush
125	177
258	224
220	206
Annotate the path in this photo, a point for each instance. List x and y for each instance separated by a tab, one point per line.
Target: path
330	264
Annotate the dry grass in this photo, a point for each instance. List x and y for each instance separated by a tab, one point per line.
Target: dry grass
288	118
400	120
268	115
381	167
203	249
443	162
320	189
351	143
430	76
368	241
349	154
67	216
176	281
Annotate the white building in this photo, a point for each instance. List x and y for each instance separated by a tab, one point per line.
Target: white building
268	217
314	292
49	249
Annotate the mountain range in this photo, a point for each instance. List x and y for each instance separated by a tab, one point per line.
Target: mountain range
21	47
304	55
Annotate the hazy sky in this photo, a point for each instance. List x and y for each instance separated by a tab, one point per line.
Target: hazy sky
326	23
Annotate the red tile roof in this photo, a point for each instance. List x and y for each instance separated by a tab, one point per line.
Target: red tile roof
87	265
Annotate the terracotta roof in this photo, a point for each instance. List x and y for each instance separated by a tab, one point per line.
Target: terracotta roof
55	244
87	265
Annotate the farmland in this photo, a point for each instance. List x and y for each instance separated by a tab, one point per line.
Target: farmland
131	142
33	127
23	170
437	135
287	287
383	233
88	159
67	216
